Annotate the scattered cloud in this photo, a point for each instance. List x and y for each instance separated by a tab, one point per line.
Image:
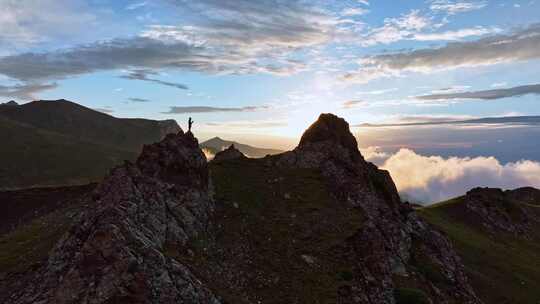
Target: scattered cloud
354	11
499	84
418	26
432	118
456	35
486	94
377	92
349	104
207	109
25	92
519	45
104	110
455	7
396	29
208	154
451	89
136	5
508	119
375	155
26	23
246	125
135	99
431	179
143	76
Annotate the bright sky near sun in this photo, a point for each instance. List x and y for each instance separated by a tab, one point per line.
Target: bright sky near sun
270	67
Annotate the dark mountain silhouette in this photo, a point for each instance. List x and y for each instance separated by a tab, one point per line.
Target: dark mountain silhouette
9	103
61	143
68	118
217	144
228	154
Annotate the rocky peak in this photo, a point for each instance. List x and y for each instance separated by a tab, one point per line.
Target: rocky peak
393	238
177	159
333	129
495	210
117	251
230	153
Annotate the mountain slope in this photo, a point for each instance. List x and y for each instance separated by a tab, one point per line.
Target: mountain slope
69	118
314	225
32	157
496	234
48	143
217	144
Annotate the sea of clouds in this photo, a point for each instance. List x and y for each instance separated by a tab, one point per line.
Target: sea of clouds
430	179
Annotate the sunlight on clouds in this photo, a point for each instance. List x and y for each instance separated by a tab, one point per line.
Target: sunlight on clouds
431	179
208	154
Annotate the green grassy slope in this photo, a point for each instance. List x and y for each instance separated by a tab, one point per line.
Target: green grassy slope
36	157
71	119
502	268
278	234
62	143
46	215
39	217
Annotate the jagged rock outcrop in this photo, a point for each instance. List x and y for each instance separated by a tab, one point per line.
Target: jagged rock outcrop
394	242
230	153
502	211
117	250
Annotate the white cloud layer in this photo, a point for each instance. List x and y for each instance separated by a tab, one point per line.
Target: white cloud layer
430	179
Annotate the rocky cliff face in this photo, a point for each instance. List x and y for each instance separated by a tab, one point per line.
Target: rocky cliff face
153	234
503	211
117	251
394	244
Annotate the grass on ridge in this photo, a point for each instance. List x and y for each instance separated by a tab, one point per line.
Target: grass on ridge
281	230
501	269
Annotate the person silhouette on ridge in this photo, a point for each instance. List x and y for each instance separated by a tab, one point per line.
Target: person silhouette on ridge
190	123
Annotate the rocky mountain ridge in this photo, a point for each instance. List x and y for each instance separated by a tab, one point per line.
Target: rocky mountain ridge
114	252
318	223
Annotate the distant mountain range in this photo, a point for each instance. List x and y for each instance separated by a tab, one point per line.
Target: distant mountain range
526	120
60	142
217	144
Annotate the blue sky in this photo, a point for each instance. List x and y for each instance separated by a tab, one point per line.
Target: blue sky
269	67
